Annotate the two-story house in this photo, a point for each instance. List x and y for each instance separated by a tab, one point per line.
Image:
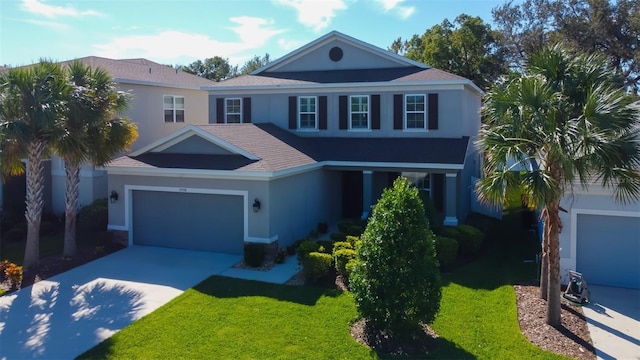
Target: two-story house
312	137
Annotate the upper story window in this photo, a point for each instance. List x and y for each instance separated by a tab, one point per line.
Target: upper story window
359	112
307	112
173	108
415	111
233	110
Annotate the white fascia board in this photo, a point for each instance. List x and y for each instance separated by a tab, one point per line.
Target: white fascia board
335	35
426	166
152	83
328	88
186	132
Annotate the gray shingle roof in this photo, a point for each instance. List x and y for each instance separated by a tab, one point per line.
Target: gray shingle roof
146	71
392	75
279	149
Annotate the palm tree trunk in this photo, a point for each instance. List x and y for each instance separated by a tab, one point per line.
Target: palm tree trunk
72	192
553	300
34	202
544	263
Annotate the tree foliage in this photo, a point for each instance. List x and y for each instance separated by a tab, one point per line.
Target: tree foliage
254	63
604	27
566	112
215	68
467	47
396	282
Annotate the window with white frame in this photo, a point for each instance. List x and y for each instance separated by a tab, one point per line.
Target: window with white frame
420	180
233	110
307	112
173	108
359	111
415	111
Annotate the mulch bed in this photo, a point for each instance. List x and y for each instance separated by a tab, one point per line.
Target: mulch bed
420	343
572	339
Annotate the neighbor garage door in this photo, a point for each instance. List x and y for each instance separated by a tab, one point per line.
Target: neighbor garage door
608	250
188	221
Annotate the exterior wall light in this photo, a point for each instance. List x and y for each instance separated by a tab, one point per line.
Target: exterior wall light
256	205
113	197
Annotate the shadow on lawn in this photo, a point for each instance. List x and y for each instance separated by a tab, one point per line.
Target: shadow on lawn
224	287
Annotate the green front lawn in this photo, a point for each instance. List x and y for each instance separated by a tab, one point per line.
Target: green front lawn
226	318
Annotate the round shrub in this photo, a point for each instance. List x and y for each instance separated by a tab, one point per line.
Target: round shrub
253	254
450	232
340	245
343	225
316	265
341	258
306	247
94	217
351	264
353	240
355	230
446	250
327	246
339	236
469	239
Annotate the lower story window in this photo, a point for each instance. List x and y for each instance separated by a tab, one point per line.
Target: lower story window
422	181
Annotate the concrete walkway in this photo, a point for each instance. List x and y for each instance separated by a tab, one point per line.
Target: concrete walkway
63	316
613	318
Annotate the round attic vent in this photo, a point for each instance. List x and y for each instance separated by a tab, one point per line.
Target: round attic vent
335	53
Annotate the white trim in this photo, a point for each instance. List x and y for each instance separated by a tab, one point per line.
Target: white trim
451	175
367	113
226	111
450	221
367	172
128	202
424	128
335	35
117	227
158	84
261	240
315	113
185	133
574	224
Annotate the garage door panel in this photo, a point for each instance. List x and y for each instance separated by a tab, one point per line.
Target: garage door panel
608	250
205	222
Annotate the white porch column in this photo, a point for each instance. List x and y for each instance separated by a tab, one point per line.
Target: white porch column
450	200
367	191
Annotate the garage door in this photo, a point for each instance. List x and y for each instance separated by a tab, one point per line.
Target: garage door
189	221
608	250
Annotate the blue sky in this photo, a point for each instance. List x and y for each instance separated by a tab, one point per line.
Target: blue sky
179	32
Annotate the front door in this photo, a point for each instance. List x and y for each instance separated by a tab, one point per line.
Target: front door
351	194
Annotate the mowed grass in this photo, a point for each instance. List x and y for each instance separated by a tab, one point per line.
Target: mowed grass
225	318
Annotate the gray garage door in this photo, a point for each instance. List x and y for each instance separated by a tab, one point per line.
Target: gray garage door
189	221
608	250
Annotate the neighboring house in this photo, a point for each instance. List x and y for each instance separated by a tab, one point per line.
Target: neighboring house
163	100
311	137
600	238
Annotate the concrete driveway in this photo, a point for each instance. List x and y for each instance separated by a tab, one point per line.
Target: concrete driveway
613	318
64	316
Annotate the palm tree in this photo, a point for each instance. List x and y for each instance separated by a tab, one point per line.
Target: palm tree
31	99
90	132
565	113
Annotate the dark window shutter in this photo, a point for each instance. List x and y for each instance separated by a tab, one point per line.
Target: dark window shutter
322	113
293	112
375	112
246	110
433	111
220	110
398	111
344	113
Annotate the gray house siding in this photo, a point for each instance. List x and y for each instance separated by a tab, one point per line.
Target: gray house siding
196	145
456	118
298	203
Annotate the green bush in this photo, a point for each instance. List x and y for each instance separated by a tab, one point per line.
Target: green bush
340	245
355	230
94	217
327	246
339	236
253	254
351	264
16	234
353	240
341	258
397	258
446	250
306	247
435	218
450	232
469	239
343	225
316	265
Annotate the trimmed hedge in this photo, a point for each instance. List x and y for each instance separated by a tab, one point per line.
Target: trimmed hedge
446	250
306	247
341	258
339	236
470	239
340	245
316	265
94	217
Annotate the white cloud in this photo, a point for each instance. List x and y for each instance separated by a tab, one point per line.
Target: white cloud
396	7
173	46
313	13
52	11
